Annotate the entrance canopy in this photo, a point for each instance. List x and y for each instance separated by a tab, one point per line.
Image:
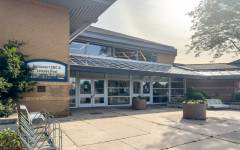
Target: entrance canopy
82	12
98	64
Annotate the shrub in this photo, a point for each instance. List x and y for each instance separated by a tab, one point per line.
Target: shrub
9	140
14	72
196	96
6	109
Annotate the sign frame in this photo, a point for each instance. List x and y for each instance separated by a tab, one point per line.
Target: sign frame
51	61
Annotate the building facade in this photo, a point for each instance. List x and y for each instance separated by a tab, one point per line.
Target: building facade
110	69
80	66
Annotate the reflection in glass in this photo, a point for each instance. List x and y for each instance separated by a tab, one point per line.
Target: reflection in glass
99	100
85	86
136	87
99	86
118	88
85	100
146	87
162	99
90	49
118	100
118	92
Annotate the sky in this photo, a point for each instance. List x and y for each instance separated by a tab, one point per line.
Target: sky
162	21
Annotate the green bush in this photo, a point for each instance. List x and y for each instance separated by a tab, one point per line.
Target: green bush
6	109
9	140
196	96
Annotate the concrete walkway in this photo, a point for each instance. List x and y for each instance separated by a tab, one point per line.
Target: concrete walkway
151	129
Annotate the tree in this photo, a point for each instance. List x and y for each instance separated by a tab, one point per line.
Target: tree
216	26
13	72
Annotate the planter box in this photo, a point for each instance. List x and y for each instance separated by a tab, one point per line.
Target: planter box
194	111
139	104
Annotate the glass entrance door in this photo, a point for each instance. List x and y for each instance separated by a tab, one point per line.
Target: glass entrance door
92	93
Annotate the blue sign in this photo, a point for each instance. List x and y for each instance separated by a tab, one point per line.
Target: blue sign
48	70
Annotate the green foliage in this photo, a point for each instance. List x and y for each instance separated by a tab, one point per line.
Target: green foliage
196	96
6	109
236	97
13	72
9	140
216	27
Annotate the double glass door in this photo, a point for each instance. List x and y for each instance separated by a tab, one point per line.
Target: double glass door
92	93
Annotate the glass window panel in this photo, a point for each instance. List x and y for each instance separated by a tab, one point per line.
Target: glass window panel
146	87
118	100
162	99
90	49
160	84
85	86
99	86
157	92
147	56
177	92
147	98
85	100
78	48
136	87
177	79
125	54
177	85
118	88
99	100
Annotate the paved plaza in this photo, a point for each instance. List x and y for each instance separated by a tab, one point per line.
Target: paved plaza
152	129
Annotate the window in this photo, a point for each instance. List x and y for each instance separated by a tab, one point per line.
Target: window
146	87
85	86
137	87
99	87
72	92
118	92
90	49
177	88
160	90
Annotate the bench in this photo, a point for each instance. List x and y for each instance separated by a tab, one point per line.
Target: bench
216	104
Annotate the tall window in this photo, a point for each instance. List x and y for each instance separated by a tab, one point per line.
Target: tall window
118	92
160	90
177	88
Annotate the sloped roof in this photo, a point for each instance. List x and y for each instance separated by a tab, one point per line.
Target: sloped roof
116	65
210	67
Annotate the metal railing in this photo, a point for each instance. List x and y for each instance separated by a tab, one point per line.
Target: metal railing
41	134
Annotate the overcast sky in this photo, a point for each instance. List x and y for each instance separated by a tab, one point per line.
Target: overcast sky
162	21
